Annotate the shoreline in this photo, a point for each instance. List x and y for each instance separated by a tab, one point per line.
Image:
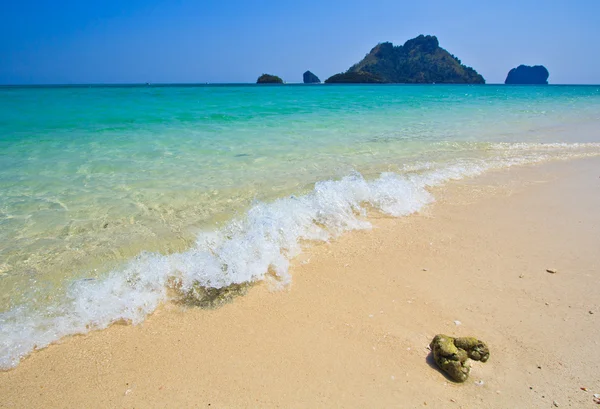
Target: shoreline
352	328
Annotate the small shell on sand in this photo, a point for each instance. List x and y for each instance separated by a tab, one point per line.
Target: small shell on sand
551	270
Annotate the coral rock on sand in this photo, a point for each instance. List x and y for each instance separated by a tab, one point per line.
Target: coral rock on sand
476	349
452	354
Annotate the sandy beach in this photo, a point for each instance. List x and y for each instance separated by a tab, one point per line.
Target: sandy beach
353	328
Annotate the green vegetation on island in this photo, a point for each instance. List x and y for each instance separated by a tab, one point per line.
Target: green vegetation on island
269	79
419	61
525	74
360	77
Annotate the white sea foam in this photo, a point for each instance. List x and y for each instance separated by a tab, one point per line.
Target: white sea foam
248	249
548	147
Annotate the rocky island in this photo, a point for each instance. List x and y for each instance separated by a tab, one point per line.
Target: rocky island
525	74
269	79
419	61
310	78
359	77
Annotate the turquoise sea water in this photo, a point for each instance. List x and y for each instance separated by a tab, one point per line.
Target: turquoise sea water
115	199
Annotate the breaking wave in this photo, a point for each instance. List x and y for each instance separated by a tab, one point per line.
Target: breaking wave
248	249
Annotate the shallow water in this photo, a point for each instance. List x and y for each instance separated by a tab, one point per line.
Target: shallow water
111	197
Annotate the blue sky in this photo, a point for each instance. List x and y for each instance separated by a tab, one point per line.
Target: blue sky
133	41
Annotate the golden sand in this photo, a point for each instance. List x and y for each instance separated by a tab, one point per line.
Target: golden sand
353	328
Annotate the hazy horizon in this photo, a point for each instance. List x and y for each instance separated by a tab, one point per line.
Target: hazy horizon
200	84
183	42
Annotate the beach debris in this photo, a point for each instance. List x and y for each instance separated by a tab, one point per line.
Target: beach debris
452	354
555	404
424	269
596	398
583	388
591	312
521	275
551	270
479	383
457	323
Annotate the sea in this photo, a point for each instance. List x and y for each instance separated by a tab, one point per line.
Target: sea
117	199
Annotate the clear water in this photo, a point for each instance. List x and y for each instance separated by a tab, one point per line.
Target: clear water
111	197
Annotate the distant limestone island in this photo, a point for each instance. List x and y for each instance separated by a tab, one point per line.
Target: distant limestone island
310	78
420	60
269	79
525	74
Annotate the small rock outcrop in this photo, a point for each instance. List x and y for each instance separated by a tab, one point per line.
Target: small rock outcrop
452	354
269	79
310	78
420	60
525	74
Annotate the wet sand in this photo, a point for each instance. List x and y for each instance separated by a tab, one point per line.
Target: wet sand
353	328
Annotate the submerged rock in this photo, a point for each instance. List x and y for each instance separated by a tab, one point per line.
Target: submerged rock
310	78
211	297
452	354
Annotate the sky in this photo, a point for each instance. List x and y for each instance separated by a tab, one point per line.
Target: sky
227	41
